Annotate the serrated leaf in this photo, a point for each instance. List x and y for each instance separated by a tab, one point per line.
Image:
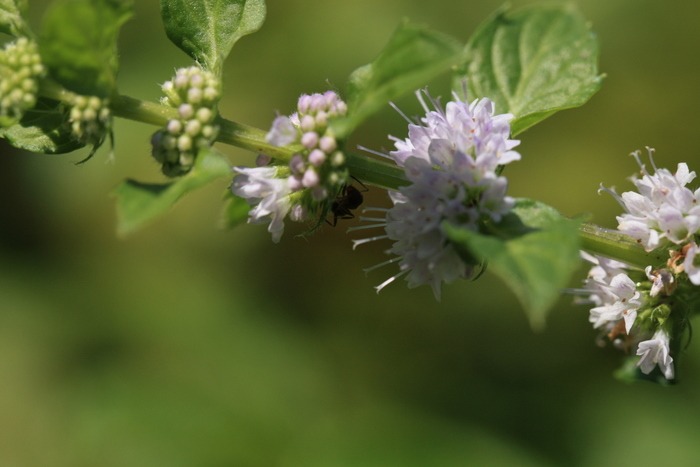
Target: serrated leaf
413	56
42	130
206	30
79	43
535	260
532	63
139	203
236	211
11	20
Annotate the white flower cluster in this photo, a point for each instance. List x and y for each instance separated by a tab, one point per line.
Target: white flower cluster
450	158
664	208
630	314
20	71
194	92
648	313
312	177
89	118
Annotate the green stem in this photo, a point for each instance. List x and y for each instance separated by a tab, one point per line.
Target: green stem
616	245
367	169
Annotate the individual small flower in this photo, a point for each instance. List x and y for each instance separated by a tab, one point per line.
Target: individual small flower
691	263
268	193
451	159
662	209
301	188
656	351
20	71
622	302
194	92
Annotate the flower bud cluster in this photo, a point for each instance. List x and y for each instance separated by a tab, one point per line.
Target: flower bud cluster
89	118
314	175
194	92
20	71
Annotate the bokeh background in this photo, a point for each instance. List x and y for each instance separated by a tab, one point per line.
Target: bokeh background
186	345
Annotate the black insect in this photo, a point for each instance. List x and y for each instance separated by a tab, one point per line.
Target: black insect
348	199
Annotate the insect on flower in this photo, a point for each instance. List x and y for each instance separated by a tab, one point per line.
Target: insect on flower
348	199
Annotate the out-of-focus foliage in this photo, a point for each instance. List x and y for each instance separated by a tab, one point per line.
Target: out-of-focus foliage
184	345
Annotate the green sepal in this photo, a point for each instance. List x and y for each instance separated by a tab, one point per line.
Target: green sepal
43	129
11	18
532	62
79	44
413	56
534	250
206	30
139	203
235	211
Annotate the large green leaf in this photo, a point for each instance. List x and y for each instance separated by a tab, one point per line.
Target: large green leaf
412	57
532	63
206	30
534	251
11	21
139	203
79	43
42	130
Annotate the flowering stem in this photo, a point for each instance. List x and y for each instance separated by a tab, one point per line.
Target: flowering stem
368	169
616	245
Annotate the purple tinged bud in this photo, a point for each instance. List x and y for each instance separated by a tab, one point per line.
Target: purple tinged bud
304	103
196	80
180	81
186	111
194	95
309	140
308	123
297	164
317	157
294	183
310	179
327	144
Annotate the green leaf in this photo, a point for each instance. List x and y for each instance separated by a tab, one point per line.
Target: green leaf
139	203
535	251
79	43
42	130
532	63
413	56
235	211
206	30
11	21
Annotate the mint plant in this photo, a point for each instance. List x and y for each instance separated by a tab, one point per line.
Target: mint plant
451	216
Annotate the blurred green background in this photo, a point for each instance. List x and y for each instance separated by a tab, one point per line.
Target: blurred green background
185	345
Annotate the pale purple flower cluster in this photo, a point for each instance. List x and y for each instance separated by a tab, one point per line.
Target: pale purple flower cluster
450	158
298	188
